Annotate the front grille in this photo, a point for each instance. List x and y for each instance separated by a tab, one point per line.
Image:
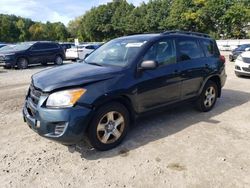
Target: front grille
34	94
246	69
246	60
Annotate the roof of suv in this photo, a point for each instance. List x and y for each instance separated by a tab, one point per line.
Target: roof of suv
174	33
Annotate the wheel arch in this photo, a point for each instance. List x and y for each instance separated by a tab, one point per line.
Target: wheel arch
122	99
216	79
22	56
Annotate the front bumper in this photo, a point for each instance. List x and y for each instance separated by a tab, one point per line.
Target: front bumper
7	63
66	126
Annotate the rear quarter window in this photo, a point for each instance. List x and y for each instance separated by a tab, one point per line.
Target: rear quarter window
189	49
208	47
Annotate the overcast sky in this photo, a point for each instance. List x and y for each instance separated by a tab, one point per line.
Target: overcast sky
52	10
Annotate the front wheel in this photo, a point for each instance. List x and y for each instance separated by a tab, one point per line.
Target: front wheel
22	63
109	126
58	60
208	97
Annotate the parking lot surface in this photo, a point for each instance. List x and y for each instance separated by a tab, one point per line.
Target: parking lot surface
179	147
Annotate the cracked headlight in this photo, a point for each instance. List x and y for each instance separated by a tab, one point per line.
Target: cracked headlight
64	99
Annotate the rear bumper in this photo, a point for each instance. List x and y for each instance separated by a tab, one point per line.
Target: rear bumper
223	78
66	126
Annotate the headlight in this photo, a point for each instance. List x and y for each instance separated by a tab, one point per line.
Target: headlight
240	58
8	57
64	99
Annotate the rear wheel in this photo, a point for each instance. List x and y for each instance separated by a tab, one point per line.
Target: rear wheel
22	63
44	63
208	97
58	60
109	126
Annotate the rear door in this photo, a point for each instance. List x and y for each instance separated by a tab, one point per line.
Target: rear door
162	85
192	65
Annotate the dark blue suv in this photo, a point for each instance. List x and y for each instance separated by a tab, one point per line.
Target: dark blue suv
126	77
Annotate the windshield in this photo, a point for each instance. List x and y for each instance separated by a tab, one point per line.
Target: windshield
117	52
21	46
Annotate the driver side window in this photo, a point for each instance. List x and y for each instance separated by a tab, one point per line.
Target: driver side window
163	52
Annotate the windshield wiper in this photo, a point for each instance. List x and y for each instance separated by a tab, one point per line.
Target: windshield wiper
97	64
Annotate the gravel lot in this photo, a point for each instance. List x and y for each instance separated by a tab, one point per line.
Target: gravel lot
176	148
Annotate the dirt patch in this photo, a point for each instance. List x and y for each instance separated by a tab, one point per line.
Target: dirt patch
178	148
176	166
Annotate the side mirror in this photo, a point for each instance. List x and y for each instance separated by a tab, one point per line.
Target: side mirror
148	65
247	49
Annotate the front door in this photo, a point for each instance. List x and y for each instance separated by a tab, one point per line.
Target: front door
162	85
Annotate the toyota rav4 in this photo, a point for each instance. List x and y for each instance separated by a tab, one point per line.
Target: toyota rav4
100	97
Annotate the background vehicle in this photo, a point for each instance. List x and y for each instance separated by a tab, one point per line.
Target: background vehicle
242	64
67	45
124	78
238	51
27	53
7	47
81	51
2	45
225	48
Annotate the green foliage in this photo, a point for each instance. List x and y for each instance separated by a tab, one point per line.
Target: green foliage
227	18
16	29
219	18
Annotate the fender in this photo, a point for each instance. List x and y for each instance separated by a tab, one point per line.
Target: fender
214	77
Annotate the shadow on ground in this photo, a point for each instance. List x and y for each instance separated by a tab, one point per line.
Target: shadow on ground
164	124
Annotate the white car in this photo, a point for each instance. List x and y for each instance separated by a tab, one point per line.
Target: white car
225	48
242	64
80	52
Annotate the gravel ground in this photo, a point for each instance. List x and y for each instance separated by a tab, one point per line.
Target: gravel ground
176	148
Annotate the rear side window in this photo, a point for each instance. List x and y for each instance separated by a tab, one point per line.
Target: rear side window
189	49
90	47
208	47
163	52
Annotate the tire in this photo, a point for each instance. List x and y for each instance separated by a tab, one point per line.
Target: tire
45	63
22	63
58	60
109	126
208	97
238	74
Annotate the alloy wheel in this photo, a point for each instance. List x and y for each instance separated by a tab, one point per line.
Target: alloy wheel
210	96
110	127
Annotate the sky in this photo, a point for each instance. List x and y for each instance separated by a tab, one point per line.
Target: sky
52	10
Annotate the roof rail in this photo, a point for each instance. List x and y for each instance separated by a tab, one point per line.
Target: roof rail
186	33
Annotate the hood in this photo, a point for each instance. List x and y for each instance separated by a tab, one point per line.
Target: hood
72	75
9	52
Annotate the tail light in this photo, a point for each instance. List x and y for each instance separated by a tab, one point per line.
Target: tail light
222	59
